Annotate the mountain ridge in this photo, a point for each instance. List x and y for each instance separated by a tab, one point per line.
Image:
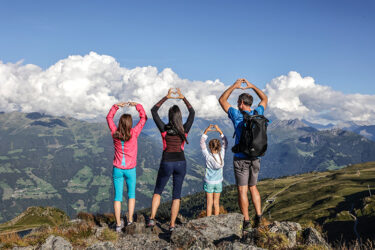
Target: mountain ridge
70	159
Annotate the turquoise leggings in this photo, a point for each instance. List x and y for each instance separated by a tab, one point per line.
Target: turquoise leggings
130	177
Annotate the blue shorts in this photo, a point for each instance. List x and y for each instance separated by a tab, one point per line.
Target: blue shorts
213	188
119	175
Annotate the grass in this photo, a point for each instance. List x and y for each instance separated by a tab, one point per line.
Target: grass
268	240
80	181
52	221
78	234
317	198
108	235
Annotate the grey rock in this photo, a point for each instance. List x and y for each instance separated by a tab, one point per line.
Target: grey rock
20	248
208	231
289	229
190	239
102	246
227	245
249	236
75	221
98	231
139	227
56	242
284	227
312	237
142	241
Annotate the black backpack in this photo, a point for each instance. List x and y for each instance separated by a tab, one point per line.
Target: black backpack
253	141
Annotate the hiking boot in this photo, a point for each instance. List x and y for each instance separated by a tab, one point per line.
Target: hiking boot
151	223
247	225
260	221
171	229
129	223
119	228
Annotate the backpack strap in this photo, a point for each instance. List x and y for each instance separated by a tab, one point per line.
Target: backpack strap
243	113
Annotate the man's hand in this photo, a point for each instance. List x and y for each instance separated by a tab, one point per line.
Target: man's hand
238	83
122	104
248	85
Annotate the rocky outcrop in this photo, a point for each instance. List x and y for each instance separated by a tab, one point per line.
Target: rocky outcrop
56	243
102	246
223	232
208	231
312	237
289	229
139	227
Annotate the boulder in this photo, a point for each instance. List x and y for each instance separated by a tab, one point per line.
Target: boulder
227	245
249	237
208	231
139	227
312	237
289	229
102	246
56	242
190	239
142	241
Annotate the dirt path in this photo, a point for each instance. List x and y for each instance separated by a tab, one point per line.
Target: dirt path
274	196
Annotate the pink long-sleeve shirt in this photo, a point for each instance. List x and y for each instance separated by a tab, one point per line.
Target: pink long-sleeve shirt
126	152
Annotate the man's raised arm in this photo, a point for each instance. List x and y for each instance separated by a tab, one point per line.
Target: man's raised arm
260	93
223	100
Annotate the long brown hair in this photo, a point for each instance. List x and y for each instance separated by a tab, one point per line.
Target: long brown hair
215	145
123	129
175	120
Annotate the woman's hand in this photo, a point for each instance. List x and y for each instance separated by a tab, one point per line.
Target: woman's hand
133	103
122	104
180	95
170	93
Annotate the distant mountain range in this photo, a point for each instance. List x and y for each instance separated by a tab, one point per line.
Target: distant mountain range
67	163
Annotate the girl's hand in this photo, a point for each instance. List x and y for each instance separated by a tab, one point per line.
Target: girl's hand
218	129
211	127
122	104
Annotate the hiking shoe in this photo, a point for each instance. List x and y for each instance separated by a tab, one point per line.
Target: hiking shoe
151	223
129	223
171	229
119	228
247	225
260	221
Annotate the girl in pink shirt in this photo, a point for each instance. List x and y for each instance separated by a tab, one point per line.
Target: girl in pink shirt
125	159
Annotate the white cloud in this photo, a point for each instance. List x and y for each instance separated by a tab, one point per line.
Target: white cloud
293	96
85	87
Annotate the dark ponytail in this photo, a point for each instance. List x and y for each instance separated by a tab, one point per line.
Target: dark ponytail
175	122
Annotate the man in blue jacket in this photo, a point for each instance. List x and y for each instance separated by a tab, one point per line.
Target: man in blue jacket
246	169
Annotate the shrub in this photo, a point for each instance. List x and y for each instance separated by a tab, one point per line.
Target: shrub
269	240
108	235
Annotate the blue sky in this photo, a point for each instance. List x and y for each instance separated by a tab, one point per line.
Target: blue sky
332	41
